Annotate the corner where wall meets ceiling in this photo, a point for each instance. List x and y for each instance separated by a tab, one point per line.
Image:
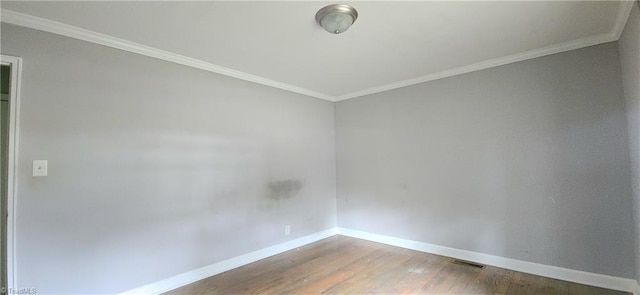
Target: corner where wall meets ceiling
391	45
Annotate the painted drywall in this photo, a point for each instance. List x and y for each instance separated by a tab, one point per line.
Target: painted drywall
156	169
629	45
527	161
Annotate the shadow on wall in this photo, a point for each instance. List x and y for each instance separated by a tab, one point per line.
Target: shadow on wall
531	196
527	161
197	192
283	189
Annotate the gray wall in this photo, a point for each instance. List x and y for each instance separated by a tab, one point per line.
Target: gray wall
629	44
155	168
527	161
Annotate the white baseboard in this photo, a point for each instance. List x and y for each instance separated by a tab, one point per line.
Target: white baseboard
222	266
582	277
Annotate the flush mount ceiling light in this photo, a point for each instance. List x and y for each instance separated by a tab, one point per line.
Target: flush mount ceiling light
336	18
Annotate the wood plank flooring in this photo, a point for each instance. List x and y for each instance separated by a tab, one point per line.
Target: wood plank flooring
343	265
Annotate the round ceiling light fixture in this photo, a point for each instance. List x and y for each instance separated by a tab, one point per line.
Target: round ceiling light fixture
336	18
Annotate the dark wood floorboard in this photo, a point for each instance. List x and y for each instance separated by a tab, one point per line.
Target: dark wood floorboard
343	265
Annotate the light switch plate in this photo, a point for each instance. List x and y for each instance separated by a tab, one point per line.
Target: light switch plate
39	167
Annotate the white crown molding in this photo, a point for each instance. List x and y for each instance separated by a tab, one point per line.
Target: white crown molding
623	16
483	65
29	21
25	20
565	274
222	266
621	20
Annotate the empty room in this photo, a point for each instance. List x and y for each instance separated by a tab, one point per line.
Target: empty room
307	147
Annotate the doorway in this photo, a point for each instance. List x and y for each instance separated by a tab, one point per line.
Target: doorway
9	87
5	73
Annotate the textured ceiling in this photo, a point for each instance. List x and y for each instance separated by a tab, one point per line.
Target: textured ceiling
392	44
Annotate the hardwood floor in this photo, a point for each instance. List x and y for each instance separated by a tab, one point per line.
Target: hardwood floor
351	266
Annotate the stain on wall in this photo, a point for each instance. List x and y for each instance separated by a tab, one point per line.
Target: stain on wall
283	189
174	152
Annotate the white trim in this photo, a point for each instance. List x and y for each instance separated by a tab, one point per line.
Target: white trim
621	20
29	21
12	181
576	276
216	268
582	277
487	64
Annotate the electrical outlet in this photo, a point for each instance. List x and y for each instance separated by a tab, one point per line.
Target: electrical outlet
287	230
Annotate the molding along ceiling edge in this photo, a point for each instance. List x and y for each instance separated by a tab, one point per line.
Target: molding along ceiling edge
614	35
46	25
42	24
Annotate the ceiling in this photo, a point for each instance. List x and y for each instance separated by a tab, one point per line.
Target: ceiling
391	45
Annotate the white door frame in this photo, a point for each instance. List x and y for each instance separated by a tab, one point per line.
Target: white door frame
12	185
